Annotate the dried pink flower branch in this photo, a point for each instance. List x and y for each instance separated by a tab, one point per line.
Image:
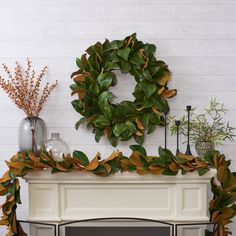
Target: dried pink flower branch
24	88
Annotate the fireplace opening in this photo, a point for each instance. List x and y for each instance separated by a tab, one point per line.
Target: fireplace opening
117	231
116	227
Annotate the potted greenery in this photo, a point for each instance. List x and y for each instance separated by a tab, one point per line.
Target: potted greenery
207	129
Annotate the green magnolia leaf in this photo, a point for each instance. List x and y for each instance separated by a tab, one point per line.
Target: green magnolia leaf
12	176
202	171
148	87
139	139
105	98
118	129
124	53
12	189
151	128
125	66
180	160
114	164
78	105
107	111
139	149
74	87
165	154
111	66
113	141
209	157
81	121
149	49
145	120
113	45
162	104
93	61
82	157
126	135
96	49
136	59
94	88
169	172
102	121
131	127
100	171
105	80
82	63
98	134
147	76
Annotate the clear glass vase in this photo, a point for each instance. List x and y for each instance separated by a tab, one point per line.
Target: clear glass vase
32	135
202	148
57	146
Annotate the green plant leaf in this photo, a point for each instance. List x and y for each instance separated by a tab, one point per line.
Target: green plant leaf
139	139
124	53
147	76
139	149
148	87
131	127
162	104
169	172
98	134
94	88
118	129
165	154
105	98
102	121
82	62
202	171
82	157
113	141
105	80
145	120
149	49
81	121
125	66
136	59
113	45
78	105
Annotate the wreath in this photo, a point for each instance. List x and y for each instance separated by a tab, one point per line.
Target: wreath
121	121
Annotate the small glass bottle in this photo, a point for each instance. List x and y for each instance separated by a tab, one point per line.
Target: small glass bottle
57	146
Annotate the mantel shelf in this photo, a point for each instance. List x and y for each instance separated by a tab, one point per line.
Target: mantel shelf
120	177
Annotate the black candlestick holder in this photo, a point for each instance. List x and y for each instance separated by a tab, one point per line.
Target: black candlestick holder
165	117
188	151
177	123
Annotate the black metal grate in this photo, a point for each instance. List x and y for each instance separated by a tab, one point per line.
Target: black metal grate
119	226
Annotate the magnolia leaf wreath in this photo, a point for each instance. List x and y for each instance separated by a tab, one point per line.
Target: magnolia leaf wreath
121	121
222	207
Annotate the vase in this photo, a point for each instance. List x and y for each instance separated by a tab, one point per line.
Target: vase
202	148
57	146
32	135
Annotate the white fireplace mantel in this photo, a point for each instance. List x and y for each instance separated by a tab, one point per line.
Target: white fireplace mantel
74	196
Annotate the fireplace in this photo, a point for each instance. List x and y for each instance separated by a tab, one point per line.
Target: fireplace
68	197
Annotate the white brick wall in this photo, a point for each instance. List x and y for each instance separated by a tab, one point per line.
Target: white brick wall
196	38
